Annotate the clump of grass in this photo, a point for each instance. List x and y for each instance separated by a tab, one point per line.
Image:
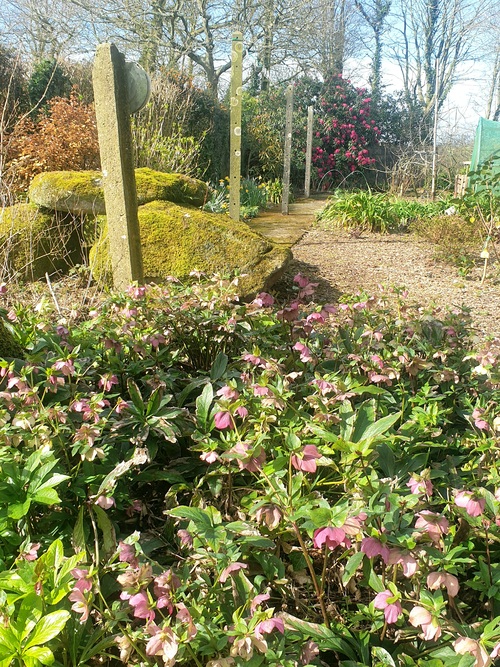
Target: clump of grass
375	211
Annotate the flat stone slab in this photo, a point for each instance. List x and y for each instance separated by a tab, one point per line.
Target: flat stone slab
288	229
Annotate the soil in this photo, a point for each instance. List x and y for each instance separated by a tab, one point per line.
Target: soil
349	263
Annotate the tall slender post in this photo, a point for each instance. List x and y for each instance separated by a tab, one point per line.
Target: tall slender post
288	151
115	147
235	125
434	134
307	183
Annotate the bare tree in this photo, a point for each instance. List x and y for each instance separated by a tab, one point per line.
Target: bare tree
375	13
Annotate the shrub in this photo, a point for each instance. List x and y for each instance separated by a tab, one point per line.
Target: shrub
64	139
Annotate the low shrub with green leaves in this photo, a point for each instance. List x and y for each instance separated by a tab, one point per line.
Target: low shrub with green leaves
375	211
254	196
189	480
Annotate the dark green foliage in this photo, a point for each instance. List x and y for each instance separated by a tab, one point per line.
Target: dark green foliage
47	81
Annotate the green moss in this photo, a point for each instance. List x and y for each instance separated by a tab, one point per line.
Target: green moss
176	240
77	191
177	188
33	243
9	348
81	191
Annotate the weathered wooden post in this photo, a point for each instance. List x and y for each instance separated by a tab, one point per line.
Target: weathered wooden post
114	91
235	125
288	151
307	183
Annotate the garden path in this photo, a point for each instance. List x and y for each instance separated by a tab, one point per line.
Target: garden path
347	263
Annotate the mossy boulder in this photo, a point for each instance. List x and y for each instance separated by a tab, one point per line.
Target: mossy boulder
33	242
177	240
9	348
82	191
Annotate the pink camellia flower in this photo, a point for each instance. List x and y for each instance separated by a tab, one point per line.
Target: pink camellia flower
331	537
437	579
163	643
423	618
420	485
223	420
306	460
373	547
234	567
433	524
392	609
464	645
472	504
269	625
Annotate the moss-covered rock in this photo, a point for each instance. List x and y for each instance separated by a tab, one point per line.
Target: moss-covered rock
33	243
176	188
82	191
9	348
177	240
68	191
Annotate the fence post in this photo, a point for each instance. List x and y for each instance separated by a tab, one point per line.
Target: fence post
307	184
235	125
288	151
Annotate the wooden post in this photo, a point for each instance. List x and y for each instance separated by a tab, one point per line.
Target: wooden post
287	151
115	147
307	184
434	134
235	125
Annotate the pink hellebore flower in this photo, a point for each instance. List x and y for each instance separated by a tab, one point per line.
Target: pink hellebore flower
433	524
209	457
472	504
479	422
464	645
245	459
163	643
183	615
257	601
105	502
234	567
108	381
373	547
269	625
423	618
437	579
304	351
306	460
405	559
228	392
83	579
30	553
420	485
310	650
264	300
392	610
126	554
331	537
140	603
81	603
223	420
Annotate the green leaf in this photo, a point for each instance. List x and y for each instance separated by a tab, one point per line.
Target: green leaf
383	656
40	653
107	529
351	566
30	612
203	403
16	511
8	639
325	638
200	518
219	366
48	628
46	497
78	537
135	395
381	426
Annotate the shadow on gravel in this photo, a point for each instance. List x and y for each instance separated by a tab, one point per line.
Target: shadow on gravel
285	289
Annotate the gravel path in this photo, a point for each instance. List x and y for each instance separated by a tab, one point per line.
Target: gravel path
346	263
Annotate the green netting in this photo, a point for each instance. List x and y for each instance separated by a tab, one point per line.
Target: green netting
486	149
